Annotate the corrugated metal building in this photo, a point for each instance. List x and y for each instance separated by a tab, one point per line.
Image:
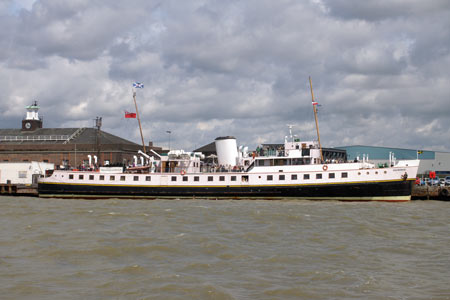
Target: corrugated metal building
429	160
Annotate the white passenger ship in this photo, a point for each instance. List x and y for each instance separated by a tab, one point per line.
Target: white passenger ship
294	171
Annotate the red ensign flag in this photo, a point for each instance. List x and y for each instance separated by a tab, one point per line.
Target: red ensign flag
130	115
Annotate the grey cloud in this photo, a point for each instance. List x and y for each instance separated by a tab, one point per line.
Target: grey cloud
375	10
210	68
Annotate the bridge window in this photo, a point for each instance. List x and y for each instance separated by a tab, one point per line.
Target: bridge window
281	162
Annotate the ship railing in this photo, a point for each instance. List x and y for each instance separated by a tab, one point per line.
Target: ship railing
33	138
218	169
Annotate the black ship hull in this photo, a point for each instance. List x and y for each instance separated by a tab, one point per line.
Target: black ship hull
395	190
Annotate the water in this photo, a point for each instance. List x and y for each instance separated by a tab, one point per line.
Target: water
198	249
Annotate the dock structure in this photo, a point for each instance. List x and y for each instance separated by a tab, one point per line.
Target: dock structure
427	192
18	190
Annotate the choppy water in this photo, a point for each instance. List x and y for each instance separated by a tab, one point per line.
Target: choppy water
198	249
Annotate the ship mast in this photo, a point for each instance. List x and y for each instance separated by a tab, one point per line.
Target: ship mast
139	120
314	103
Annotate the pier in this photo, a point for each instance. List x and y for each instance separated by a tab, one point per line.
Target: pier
427	192
18	189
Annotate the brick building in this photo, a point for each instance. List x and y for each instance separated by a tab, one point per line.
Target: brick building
64	146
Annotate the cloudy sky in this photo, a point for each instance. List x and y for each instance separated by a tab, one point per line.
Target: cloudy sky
380	69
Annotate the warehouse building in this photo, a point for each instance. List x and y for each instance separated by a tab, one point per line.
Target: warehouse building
429	160
65	147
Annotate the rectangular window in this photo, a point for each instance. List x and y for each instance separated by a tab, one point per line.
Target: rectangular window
233	178
281	177
196	178
122	178
91	177
210	178
70	176
294	177
45	160
260	162
112	177
148	178
305	176
102	177
344	175
185	178
331	175
269	177
173	178
136	178
80	176
221	178
22	174
318	176
244	178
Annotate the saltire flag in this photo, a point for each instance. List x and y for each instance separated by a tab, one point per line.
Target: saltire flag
130	115
138	85
314	103
419	151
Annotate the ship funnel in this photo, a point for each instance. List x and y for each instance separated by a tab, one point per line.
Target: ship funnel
227	151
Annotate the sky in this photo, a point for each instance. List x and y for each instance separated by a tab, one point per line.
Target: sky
380	69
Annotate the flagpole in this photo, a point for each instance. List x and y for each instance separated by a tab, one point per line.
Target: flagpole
139	120
315	117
